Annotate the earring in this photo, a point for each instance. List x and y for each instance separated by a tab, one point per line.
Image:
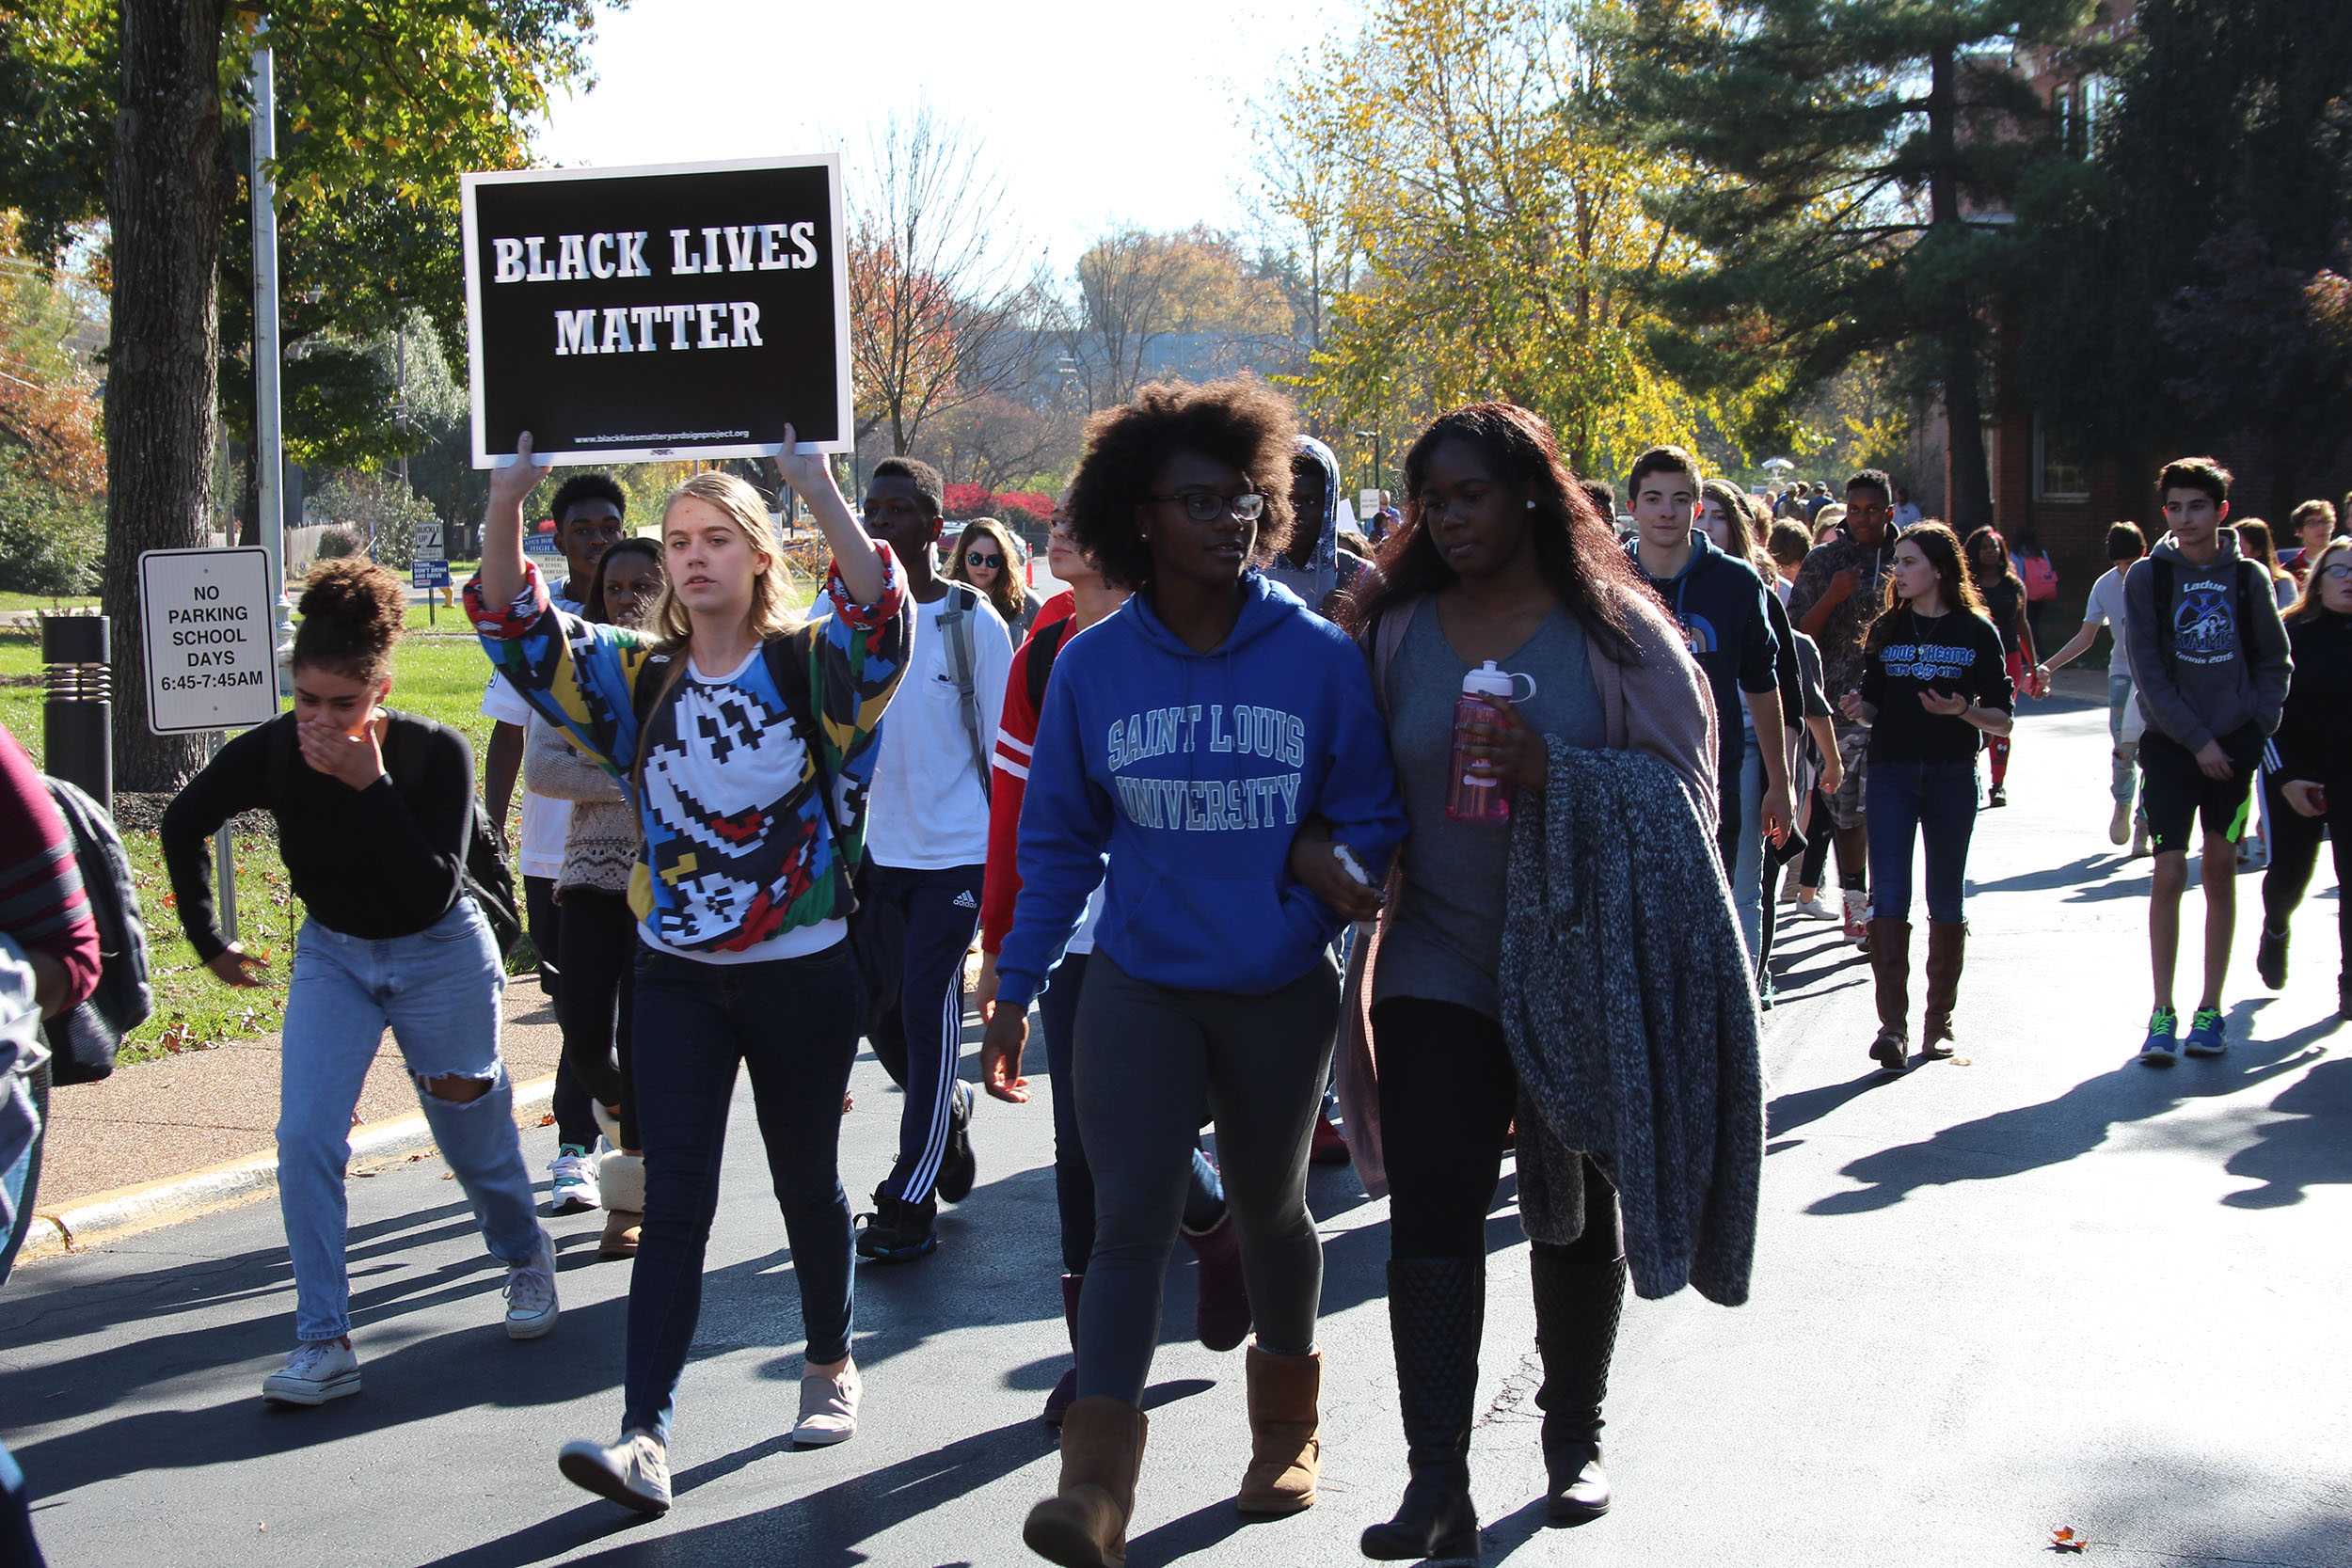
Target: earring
1531	506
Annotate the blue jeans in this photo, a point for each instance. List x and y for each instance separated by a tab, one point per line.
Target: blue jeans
793	1023
1930	801
437	991
1073	1178
1747	856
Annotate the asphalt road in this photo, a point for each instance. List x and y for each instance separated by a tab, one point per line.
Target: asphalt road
2033	1287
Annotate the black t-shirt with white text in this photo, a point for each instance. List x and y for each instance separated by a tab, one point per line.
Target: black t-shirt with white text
1955	653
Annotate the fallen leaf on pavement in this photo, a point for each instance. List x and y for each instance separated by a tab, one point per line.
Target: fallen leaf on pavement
2063	1538
548	1120
449	1176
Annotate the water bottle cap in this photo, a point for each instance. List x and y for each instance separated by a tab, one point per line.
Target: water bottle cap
1487	680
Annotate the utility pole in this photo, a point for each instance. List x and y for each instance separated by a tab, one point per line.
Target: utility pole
269	444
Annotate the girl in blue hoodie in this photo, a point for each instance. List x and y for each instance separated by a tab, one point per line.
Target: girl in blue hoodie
1185	738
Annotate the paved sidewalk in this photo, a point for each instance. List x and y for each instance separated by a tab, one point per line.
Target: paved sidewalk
186	1113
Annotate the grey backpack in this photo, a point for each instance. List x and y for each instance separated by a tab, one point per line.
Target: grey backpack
82	1043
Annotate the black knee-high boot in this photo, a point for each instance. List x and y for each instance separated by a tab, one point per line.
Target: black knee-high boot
1437	1315
1577	1307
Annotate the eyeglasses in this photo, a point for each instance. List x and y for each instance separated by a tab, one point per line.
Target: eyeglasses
976	559
2337	571
1207	506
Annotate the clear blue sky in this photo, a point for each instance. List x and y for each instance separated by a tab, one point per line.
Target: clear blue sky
1094	115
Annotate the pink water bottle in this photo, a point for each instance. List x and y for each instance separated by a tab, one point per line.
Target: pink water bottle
1475	793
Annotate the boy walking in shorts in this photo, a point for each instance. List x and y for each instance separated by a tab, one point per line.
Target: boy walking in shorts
2210	665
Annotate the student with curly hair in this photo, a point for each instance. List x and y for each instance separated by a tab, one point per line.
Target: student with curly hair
1934	679
374	810
1183	740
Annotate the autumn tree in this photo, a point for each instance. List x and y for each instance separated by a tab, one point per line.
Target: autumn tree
1452	173
1137	291
381	107
1851	167
938	311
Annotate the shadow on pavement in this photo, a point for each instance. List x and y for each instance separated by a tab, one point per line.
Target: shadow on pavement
2292	1155
2029	1137
1788	1112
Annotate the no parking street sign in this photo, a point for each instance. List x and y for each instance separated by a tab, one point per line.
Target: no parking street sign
205	623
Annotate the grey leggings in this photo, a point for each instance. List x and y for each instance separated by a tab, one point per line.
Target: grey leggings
1149	1057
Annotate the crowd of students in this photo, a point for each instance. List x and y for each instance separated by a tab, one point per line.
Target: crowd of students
1241	814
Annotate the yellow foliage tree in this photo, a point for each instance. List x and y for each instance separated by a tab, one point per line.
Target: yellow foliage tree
1455	160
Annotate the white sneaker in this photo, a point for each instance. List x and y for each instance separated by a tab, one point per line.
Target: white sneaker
531	1307
2140	839
1812	908
828	1408
573	1191
1857	915
318	1371
633	1472
2120	823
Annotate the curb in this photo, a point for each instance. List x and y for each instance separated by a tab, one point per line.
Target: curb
111	1216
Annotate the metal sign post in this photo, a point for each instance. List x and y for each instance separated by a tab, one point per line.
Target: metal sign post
428	564
205	623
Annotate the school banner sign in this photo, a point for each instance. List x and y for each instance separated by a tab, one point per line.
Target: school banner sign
629	315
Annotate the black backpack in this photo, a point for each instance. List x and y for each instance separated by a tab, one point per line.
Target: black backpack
82	1043
487	879
1044	648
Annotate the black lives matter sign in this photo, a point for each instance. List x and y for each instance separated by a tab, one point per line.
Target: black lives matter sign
641	314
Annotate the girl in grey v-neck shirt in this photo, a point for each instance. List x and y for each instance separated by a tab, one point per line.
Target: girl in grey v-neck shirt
1443	941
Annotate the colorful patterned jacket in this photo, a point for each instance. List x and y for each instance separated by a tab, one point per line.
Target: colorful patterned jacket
737	850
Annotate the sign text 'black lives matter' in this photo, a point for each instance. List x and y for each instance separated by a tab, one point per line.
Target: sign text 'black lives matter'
641	314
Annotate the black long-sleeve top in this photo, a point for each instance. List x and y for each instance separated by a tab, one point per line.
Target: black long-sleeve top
2314	739
386	860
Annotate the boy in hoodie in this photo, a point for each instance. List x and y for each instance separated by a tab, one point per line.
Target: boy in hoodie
1314	565
2210	665
1719	602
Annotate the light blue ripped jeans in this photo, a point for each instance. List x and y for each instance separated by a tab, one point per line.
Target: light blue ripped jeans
437	991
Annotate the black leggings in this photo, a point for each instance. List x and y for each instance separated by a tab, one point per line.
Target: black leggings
1448	1092
1818	832
2295	850
598	957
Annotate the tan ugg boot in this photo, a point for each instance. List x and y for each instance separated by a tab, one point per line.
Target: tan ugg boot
1285	1439
621	1182
1084	1524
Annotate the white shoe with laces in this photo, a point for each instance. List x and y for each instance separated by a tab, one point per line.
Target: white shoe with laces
633	1472
531	1306
318	1371
572	1182
1811	906
828	1408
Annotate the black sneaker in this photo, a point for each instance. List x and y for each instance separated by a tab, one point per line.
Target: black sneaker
1998	798
2270	957
898	1231
957	1167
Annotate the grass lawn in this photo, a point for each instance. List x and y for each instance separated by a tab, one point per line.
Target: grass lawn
437	677
43	601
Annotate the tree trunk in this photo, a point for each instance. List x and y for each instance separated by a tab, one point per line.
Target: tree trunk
1971	500
164	202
